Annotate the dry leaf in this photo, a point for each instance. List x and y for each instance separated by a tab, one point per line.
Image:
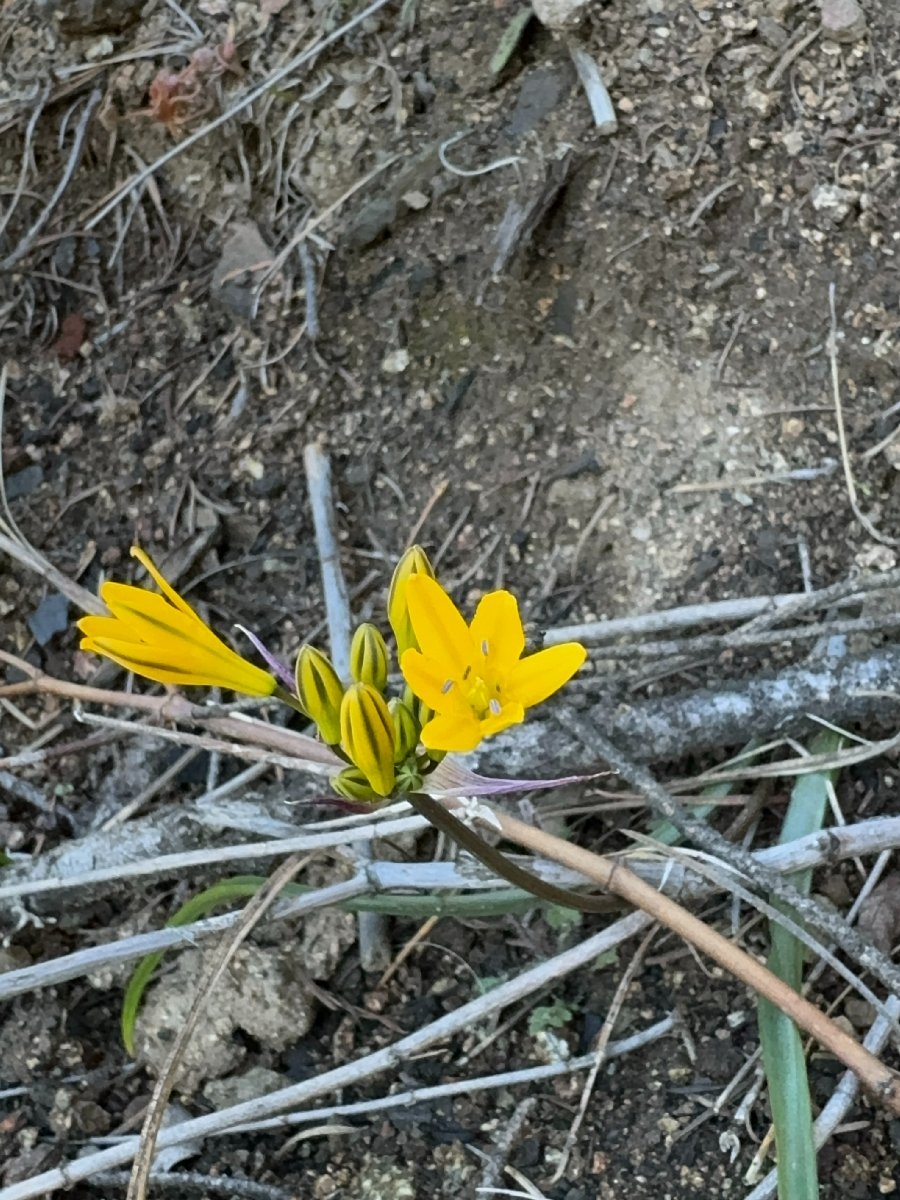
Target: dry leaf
879	913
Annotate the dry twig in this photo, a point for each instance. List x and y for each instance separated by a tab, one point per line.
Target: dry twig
250	918
831	349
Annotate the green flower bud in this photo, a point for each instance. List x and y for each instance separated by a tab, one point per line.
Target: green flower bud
406	730
408	778
320	691
417	707
369	657
367	735
414	562
353	785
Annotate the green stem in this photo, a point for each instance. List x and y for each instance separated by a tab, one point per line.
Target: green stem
434	811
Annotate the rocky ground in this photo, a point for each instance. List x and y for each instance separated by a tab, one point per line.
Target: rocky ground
588	365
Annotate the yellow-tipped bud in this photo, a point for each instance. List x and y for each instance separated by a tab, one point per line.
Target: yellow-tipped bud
406	730
367	735
353	785
414	562
320	691
369	657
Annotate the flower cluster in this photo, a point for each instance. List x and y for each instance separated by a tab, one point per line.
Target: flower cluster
463	681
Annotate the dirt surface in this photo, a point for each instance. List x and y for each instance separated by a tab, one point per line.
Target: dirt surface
630	408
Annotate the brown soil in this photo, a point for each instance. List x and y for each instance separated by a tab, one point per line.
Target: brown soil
607	424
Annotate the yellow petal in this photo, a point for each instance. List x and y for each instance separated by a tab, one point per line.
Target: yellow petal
185	665
460	732
429	680
510	714
539	675
99	627
162	583
497	631
151	618
440	629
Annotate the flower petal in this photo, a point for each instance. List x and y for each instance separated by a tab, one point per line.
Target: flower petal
428	681
103	627
440	629
191	666
497	631
162	583
152	618
539	675
510	714
452	731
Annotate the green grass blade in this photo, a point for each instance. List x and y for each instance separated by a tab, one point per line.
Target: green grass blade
782	1047
665	831
241	887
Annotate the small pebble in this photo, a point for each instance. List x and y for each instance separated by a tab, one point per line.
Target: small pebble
395	362
843	20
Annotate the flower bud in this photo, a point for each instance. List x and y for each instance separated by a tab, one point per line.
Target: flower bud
414	562
417	707
406	730
367	735
409	778
369	657
320	691
353	785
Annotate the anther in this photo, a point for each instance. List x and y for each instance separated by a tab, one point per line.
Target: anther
447	687
495	708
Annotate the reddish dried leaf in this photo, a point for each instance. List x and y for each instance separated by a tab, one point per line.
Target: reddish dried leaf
72	334
879	914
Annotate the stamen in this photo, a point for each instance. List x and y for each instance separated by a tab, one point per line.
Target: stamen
495	708
466	673
447	687
484	647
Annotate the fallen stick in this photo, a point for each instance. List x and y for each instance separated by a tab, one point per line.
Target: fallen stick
859	690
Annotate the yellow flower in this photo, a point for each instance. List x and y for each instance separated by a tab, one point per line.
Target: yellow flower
474	676
162	638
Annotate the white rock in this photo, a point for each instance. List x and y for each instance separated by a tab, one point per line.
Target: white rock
835	202
876	558
395	362
843	20
559	14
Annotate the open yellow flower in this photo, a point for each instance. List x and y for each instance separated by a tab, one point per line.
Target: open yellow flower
162	638
474	676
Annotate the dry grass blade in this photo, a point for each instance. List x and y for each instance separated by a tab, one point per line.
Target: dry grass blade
831	348
243	102
827	924
14	543
602	1047
47	211
252	915
875	1076
384	1059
